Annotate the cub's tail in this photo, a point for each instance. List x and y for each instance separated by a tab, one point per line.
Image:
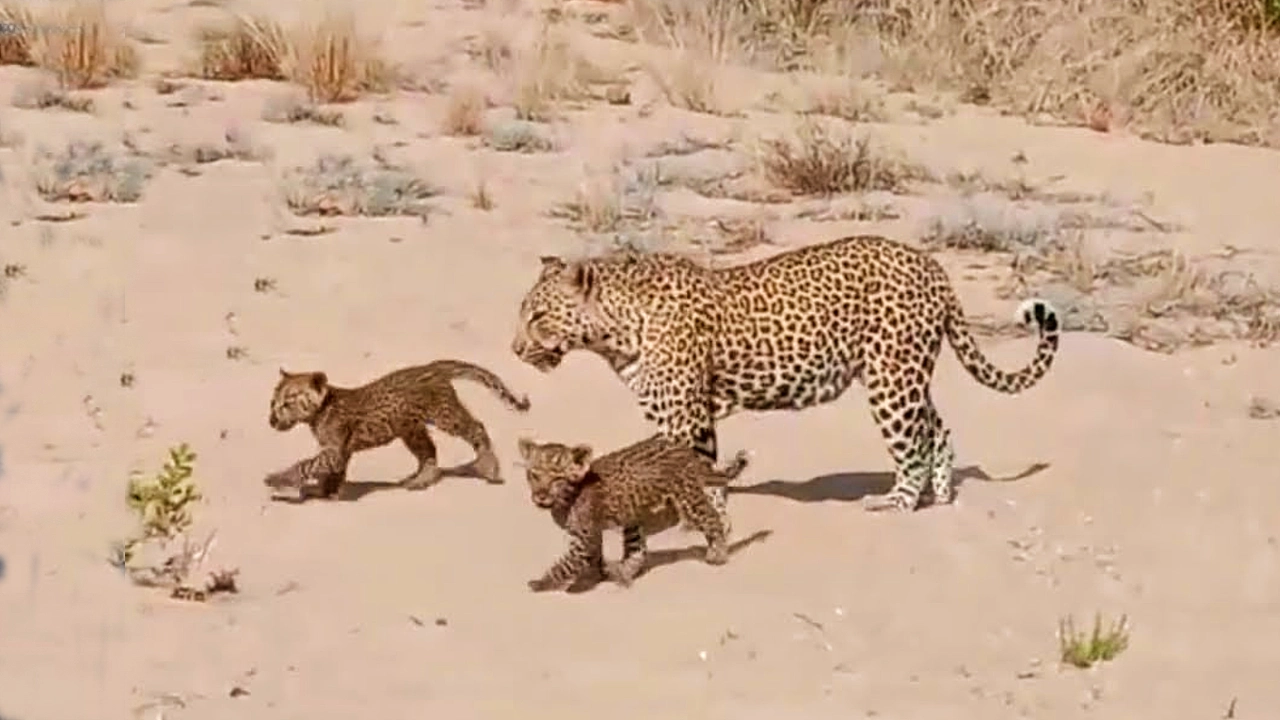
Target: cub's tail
477	374
1034	312
730	472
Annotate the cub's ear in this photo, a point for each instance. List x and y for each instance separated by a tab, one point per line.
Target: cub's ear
283	372
319	381
526	448
551	264
581	455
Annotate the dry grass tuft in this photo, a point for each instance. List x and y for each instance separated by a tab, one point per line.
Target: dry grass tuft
464	114
78	44
330	58
251	47
549	70
821	160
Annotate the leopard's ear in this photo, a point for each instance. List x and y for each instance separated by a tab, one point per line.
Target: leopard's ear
319	382
525	446
551	264
283	372
581	456
583	280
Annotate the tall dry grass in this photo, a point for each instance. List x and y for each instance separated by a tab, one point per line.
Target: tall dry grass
77	43
329	58
1171	70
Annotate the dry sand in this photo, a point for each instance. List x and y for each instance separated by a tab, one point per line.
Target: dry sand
1139	483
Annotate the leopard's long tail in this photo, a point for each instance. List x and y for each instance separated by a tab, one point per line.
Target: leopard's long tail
477	374
730	472
1034	312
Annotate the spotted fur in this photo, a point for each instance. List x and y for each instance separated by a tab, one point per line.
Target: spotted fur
644	484
788	332
401	404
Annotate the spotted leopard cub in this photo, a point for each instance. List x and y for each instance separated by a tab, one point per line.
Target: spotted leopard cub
626	489
401	404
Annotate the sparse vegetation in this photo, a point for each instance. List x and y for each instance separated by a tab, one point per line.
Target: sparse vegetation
163	506
89	172
77	43
823	160
1173	71
340	185
330	59
1082	650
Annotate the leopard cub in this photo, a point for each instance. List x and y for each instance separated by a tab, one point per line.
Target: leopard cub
401	404
626	489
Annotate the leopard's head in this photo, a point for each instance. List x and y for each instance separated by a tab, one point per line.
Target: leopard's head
554	471
297	398
568	309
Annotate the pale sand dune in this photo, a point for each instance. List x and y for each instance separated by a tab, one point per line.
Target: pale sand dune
1138	484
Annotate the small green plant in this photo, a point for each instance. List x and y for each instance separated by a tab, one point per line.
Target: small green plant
162	504
1103	644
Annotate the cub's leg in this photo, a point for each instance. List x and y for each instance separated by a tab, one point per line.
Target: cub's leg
635	553
419	442
459	422
691	422
586	554
698	510
329	466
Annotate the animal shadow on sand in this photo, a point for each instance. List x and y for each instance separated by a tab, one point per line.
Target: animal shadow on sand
659	558
353	490
852	487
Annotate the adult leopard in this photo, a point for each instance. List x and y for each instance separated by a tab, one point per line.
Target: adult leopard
787	332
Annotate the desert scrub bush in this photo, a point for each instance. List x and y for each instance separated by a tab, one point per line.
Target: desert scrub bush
44	94
290	108
821	160
1082	650
340	185
518	136
162	505
77	43
331	59
88	172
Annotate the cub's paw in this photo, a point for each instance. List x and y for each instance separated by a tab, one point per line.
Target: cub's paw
543	585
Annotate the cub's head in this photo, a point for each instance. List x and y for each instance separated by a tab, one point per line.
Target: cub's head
297	398
554	470
560	313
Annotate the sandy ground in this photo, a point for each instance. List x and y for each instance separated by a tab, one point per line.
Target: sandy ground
1139	485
